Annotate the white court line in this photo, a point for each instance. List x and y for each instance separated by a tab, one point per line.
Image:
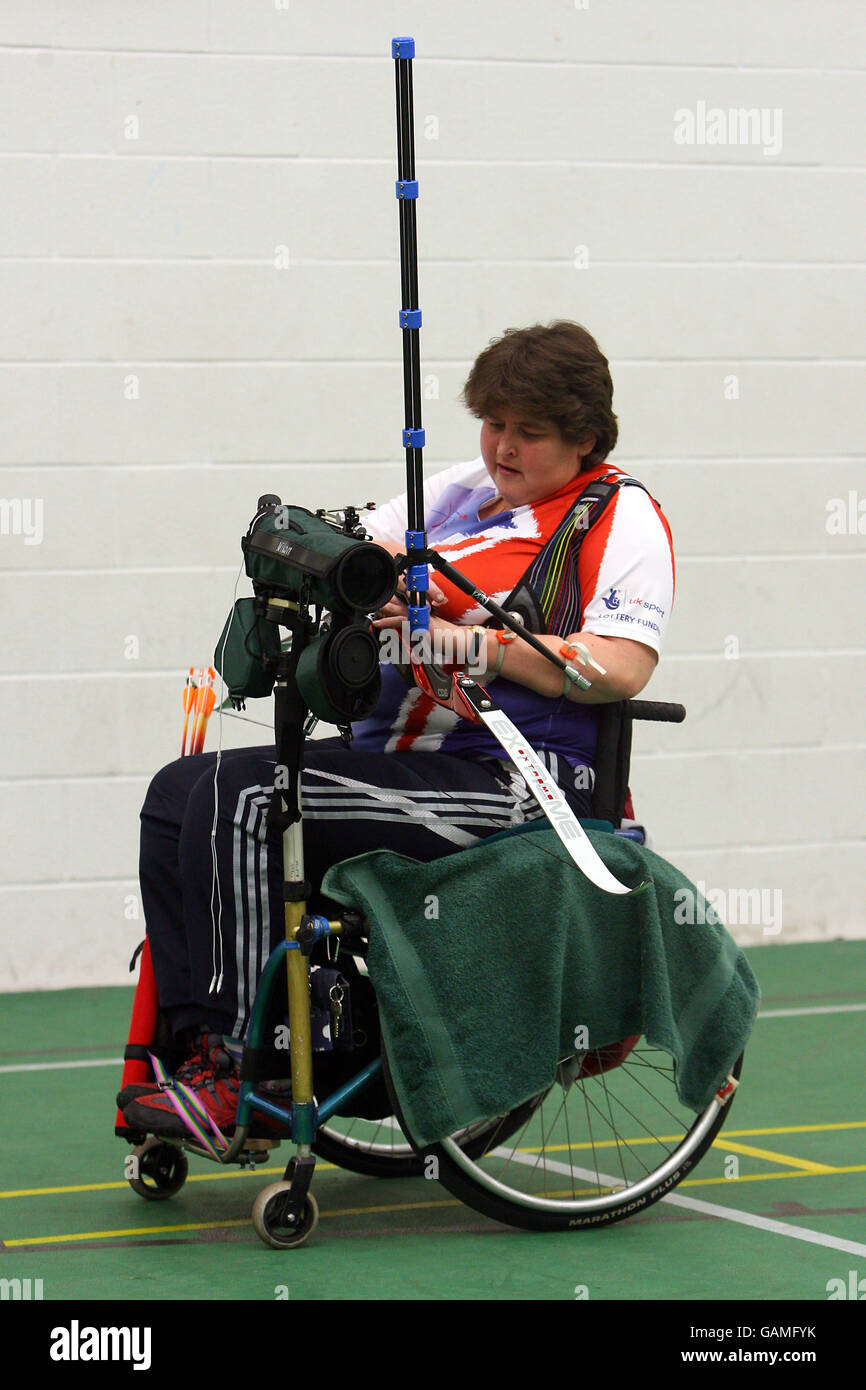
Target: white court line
824	1009
743	1218
63	1066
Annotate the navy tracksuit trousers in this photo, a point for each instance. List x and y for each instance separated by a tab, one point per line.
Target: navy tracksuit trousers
211	869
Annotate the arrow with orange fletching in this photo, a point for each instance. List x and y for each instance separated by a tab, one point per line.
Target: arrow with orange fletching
188	701
204	707
198	702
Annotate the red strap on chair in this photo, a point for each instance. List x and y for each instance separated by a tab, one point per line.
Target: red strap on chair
606	1058
142	1032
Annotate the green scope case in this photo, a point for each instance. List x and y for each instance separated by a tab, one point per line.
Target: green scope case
246	652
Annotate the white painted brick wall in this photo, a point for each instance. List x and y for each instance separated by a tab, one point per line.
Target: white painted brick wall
266	125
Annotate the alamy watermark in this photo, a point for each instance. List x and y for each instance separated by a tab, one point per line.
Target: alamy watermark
77	1343
22	516
20	1290
441	646
854	1287
713	125
846	516
757	907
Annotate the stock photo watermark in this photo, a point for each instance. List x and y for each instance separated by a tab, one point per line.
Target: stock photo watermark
21	1290
743	907
853	1288
77	1343
736	125
445	647
23	516
846	516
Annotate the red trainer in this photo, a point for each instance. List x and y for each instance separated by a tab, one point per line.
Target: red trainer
188	1074
216	1086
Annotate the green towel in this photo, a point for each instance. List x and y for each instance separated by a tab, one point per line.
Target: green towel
486	962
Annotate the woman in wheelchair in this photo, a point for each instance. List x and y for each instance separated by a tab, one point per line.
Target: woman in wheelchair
416	778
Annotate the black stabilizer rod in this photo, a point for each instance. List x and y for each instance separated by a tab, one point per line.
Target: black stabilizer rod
403	52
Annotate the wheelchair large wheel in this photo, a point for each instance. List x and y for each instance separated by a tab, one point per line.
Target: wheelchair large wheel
594	1149
380	1149
375	1148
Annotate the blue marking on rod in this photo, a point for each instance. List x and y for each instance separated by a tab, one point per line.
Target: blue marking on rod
407	188
413	439
419	618
410	318
403	47
418	581
418	578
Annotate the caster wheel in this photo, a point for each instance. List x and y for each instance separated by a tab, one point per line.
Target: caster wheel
270	1223
162	1170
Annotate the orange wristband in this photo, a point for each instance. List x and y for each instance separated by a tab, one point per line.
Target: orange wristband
504	636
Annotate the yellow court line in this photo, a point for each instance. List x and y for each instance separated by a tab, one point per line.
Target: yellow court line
800	1129
775	1177
723	1140
787	1159
675	1138
709	1182
132	1231
378	1210
215	1225
193	1177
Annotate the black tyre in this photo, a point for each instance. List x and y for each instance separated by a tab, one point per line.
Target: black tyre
161	1170
271	1224
626	1124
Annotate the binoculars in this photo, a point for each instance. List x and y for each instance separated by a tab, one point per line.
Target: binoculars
296	559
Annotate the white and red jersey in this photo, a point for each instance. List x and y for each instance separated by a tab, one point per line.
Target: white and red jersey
626	583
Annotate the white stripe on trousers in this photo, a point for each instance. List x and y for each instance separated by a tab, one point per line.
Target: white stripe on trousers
518	806
259	930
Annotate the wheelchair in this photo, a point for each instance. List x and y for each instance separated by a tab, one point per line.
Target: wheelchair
606	1139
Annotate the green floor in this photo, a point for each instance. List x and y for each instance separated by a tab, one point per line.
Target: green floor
797	1129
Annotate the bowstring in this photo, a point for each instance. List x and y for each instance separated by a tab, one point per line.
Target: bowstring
217	933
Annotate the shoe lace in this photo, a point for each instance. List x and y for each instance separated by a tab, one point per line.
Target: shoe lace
191	1067
216	1067
200	1061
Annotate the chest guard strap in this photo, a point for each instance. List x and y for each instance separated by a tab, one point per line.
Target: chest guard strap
547	595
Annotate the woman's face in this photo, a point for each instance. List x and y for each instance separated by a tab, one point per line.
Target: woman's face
528	459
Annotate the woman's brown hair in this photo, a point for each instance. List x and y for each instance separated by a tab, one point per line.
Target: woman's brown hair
554	374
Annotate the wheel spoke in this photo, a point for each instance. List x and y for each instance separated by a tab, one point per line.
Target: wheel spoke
634	1115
